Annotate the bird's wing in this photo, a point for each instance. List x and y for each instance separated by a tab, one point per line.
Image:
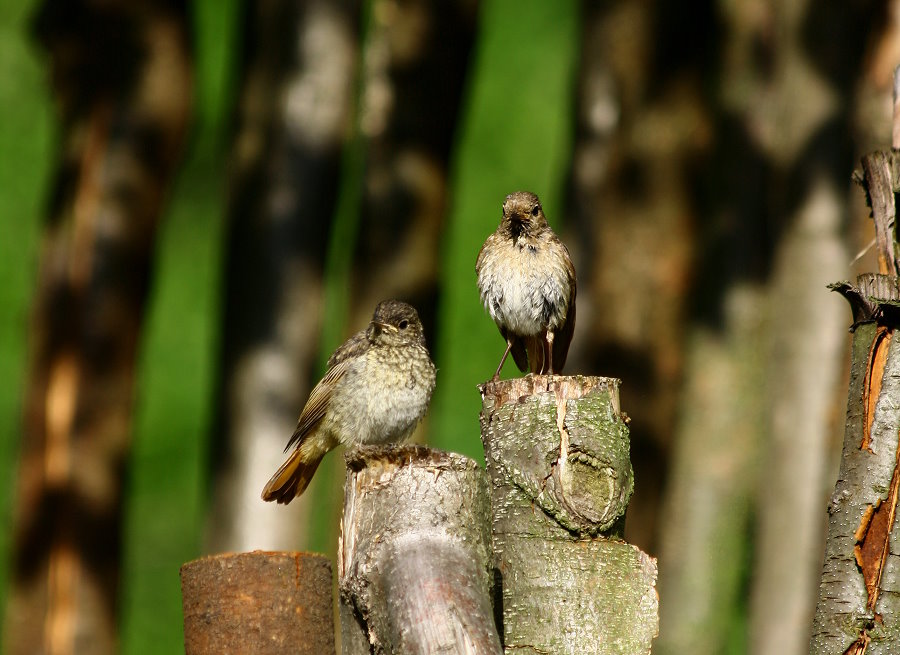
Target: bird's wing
491	241
480	260
563	338
317	404
350	348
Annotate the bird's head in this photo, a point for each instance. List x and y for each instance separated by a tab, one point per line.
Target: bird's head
523	215
395	323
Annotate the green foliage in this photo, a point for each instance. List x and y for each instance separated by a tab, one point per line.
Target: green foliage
25	144
516	135
166	499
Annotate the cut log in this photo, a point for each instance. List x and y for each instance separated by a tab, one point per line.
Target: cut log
414	557
557	451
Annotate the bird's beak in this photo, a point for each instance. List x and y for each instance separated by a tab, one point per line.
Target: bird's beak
383	327
521	219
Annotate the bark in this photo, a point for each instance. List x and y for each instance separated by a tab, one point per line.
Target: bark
557	451
857	610
295	108
414	560
123	127
260	602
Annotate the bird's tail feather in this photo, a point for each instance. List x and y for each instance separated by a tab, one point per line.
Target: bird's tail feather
537	354
292	478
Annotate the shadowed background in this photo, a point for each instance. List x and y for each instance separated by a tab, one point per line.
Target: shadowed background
202	200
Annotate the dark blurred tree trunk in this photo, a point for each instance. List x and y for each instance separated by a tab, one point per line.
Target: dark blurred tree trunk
641	129
296	105
120	73
416	62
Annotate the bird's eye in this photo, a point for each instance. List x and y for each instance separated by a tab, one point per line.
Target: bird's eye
403	324
535	210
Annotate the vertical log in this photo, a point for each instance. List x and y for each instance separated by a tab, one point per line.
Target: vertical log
557	451
858	609
262	603
121	80
414	556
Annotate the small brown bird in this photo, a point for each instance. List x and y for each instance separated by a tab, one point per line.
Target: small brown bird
376	389
527	284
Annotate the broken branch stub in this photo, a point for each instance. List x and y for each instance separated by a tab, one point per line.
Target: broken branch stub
259	602
414	559
557	451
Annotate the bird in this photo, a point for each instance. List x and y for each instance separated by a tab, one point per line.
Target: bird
526	280
376	388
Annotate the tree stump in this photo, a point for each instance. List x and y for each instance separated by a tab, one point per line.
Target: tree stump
414	556
557	451
262	603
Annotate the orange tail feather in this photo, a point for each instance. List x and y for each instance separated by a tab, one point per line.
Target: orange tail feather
292	478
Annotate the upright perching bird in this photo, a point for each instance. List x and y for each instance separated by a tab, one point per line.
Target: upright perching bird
376	389
527	284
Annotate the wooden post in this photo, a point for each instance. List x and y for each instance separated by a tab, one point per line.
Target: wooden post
859	609
414	555
557	451
261	602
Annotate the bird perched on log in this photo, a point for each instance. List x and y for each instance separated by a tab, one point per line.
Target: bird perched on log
527	284
376	389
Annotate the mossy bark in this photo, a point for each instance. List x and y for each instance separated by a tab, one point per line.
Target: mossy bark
557	451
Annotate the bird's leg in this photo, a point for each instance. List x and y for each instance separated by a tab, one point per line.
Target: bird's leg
550	336
503	360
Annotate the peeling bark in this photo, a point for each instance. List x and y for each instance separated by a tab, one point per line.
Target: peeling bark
557	451
414	554
859	529
859	608
262	603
